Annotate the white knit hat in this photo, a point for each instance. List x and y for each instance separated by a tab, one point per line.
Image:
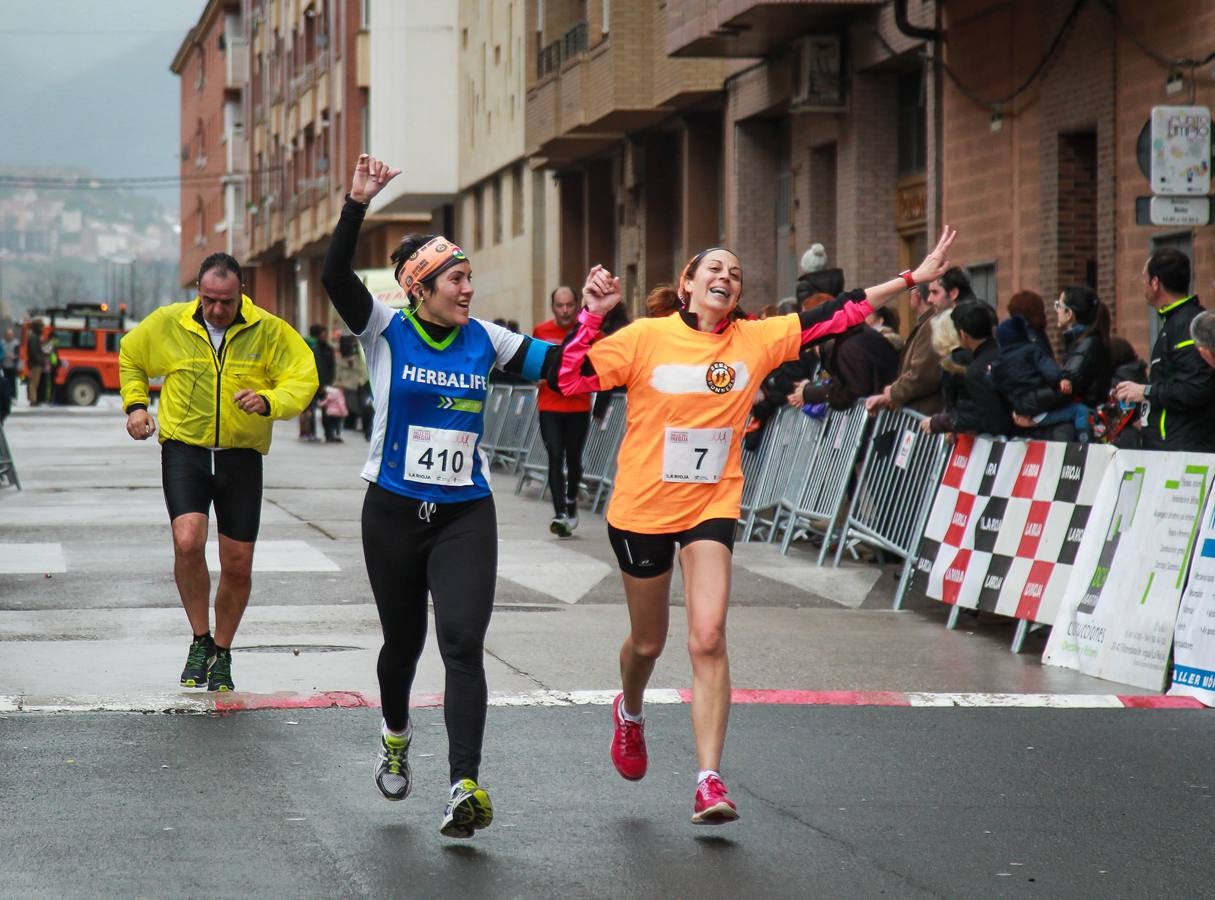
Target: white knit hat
814	259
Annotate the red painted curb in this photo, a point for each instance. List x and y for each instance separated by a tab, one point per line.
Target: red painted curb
1154	702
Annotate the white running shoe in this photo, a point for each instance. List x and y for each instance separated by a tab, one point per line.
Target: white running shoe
560	526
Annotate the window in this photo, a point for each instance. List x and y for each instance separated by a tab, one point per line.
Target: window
497	209
478	218
912	124
983	280
516	200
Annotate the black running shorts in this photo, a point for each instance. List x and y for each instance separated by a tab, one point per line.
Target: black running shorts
195	477
651	555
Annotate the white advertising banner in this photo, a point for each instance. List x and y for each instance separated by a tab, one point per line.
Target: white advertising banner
1194	639
1120	608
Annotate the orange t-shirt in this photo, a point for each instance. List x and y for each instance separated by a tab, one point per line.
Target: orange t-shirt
549	400
689	393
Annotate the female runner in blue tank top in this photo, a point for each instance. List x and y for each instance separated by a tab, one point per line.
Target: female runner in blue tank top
428	516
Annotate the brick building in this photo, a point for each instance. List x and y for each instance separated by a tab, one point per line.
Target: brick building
506	210
212	63
1043	186
764	126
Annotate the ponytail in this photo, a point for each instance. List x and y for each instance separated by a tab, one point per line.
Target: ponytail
662	301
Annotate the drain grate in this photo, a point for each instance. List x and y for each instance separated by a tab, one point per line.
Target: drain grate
292	648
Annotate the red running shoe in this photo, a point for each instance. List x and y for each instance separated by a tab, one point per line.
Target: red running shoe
712	806
628	744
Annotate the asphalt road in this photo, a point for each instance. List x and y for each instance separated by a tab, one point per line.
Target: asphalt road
835	802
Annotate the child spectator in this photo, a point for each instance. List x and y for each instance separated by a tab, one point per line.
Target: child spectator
1023	368
333	412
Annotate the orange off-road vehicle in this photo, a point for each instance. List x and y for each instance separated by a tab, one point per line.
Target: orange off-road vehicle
86	337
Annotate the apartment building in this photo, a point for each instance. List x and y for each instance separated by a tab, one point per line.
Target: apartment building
213	65
681	124
295	101
506	212
1045	117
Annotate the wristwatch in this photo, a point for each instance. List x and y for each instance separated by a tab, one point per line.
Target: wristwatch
1147	390
908	278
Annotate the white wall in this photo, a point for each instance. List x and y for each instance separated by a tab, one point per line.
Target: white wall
414	73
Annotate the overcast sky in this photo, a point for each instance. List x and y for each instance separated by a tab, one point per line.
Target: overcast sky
87	83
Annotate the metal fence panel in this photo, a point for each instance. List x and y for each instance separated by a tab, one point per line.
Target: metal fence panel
602	446
8	468
898	480
535	463
516	432
818	490
497	402
788	426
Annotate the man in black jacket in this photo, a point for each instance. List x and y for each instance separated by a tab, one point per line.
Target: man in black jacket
973	405
1177	409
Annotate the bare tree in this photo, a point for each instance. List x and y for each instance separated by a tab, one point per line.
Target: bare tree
56	289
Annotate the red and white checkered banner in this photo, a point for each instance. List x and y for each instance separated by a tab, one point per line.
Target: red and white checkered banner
1006	524
1120	611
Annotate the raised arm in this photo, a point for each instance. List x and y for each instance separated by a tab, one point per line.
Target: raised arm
571	372
933	267
350	296
849	309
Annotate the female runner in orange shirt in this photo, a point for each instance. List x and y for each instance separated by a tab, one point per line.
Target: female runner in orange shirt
690	379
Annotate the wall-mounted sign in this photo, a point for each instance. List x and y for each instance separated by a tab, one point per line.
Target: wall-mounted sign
1181	150
820	74
1173	211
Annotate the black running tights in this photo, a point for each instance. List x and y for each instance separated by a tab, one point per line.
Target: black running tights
564	435
451	551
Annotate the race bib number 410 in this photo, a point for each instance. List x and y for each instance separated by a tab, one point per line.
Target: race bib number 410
695	454
440	456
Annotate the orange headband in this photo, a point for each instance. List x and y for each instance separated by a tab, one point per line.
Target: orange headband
428	259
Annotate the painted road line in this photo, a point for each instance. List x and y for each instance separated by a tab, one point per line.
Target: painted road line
31	559
240	701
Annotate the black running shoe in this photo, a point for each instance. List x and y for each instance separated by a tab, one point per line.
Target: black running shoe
198	660
219	678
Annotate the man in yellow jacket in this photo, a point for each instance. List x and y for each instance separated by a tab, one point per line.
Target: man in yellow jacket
230	369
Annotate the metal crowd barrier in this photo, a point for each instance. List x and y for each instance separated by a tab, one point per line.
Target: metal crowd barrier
819	493
786	431
497	404
599	454
534	466
515	434
898	480
8	468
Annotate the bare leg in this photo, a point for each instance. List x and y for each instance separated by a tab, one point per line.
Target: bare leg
706	579
235	582
649	616
190	569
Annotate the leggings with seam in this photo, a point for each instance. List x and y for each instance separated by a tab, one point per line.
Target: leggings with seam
450	551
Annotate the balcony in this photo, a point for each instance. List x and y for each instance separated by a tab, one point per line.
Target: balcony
751	28
569	46
593	98
236	64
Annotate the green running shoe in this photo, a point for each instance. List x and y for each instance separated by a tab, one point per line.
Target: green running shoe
219	678
198	660
468	810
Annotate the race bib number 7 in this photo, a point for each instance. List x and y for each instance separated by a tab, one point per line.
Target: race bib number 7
695	454
440	456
